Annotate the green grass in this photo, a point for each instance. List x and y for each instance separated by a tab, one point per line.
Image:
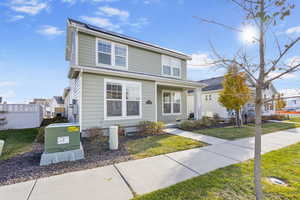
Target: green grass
160	144
296	119
17	141
231	133
236	181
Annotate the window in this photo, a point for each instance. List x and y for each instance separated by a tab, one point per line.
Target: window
120	55
132	99
166	70
110	53
171	66
171	102
114	99
104	52
122	99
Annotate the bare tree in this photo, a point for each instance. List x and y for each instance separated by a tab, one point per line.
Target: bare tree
264	15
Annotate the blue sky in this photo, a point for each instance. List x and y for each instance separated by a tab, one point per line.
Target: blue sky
32	37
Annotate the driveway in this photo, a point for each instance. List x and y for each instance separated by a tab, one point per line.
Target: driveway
121	181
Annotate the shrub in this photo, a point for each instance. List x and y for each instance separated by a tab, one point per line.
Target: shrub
40	137
187	125
198	124
216	117
207	121
149	127
93	132
275	117
54	120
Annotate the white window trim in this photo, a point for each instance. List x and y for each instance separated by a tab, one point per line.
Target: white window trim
172	67
112	53
124	107
172	101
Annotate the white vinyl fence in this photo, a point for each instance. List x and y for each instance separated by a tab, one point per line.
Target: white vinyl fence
17	116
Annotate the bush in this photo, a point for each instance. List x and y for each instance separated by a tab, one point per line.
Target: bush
40	137
54	120
216	117
149	127
275	117
187	125
93	132
207	121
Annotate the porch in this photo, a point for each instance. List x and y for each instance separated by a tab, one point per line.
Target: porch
172	102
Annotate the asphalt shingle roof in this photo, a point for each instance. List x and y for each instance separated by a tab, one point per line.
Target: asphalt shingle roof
59	99
213	83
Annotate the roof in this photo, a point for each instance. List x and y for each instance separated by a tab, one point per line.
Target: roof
73	72
102	30
59	99
213	83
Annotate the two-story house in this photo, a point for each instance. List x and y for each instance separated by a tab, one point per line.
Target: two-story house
119	80
211	105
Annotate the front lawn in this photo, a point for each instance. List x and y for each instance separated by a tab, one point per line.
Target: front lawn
231	132
236	181
295	119
160	144
17	141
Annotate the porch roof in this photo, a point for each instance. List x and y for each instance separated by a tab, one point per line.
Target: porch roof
136	75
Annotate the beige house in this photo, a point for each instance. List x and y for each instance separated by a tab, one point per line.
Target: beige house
119	80
211	105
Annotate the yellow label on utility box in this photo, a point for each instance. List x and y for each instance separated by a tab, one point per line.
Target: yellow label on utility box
73	129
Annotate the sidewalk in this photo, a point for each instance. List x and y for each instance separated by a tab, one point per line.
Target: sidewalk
122	180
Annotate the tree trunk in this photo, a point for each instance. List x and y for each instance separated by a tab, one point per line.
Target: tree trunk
258	105
237	118
257	152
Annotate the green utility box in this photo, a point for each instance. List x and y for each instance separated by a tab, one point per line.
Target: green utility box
62	137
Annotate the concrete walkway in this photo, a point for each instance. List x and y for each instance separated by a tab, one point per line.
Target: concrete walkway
122	180
195	136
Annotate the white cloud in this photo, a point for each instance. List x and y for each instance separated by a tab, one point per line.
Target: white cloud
102	22
137	25
200	61
16	18
7	83
7	93
293	30
50	30
151	1
294	61
31	7
110	12
286	76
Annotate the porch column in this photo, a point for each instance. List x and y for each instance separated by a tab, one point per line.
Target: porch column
197	103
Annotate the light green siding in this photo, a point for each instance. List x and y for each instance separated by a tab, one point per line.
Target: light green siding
171	118
93	102
86	50
139	60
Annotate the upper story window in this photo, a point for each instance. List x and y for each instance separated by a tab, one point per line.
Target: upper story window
110	53
171	66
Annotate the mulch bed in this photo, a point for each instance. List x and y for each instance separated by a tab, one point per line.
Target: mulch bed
26	166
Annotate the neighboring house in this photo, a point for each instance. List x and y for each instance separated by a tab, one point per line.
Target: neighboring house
119	80
57	106
292	103
45	104
18	116
211	105
70	107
